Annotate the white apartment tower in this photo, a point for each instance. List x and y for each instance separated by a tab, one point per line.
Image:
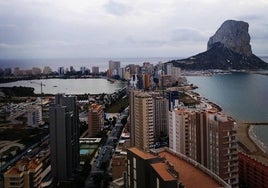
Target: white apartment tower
34	116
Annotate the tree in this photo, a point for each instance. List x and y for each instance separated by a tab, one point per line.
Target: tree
124	121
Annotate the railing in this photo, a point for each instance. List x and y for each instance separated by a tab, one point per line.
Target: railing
197	165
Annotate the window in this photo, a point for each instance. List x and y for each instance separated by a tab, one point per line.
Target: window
134	162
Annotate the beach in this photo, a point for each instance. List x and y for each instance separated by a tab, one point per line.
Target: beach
249	143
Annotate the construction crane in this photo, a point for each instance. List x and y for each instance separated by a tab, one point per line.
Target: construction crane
41	85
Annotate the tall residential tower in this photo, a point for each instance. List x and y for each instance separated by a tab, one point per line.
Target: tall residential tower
64	137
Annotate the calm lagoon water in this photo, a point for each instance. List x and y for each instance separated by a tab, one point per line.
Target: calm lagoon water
69	86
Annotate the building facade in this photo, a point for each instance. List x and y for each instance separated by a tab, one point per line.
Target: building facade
146	81
142	124
34	116
160	115
25	174
173	99
208	138
222	147
64	137
114	68
95	70
95	119
252	173
47	70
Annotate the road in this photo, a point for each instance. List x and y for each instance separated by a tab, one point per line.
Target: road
102	161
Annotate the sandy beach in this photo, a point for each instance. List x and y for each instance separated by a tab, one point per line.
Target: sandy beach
247	144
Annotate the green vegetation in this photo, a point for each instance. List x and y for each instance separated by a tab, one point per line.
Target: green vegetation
18	91
27	137
118	106
187	100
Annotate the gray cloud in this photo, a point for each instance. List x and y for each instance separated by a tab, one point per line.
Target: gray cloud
115	8
121	28
187	34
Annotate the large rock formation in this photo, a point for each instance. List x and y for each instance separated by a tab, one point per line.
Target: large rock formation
229	48
233	35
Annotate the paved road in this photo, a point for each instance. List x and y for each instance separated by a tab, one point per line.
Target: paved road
102	162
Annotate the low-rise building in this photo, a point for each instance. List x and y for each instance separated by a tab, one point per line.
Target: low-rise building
25	174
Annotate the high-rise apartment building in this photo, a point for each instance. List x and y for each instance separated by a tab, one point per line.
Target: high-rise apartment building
36	71
173	99
114	68
132	117
72	70
133	69
61	71
83	70
47	70
222	147
95	119
142	126
17	71
146	81
34	116
175	73
160	115
148	118
95	70
64	137
208	138
169	67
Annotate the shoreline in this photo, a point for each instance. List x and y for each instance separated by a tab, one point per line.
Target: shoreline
247	139
256	140
249	142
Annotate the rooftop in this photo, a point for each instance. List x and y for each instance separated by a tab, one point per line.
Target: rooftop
142	154
161	169
190	175
23	165
95	106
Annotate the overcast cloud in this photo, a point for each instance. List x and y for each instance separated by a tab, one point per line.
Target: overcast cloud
122	28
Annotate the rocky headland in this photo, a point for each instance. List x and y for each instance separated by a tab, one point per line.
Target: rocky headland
229	48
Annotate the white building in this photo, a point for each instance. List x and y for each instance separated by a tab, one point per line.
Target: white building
34	116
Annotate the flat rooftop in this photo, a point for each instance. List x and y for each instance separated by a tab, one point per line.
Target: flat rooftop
190	175
142	154
161	168
90	140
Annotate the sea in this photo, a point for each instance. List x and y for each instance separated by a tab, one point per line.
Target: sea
242	96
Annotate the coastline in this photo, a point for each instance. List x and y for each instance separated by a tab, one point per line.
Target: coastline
250	144
247	139
255	139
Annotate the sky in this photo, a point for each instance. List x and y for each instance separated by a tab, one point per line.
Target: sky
122	28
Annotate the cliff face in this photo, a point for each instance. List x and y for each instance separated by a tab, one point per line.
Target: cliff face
228	48
233	35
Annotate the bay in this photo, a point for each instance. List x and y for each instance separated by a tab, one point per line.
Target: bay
69	86
242	96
